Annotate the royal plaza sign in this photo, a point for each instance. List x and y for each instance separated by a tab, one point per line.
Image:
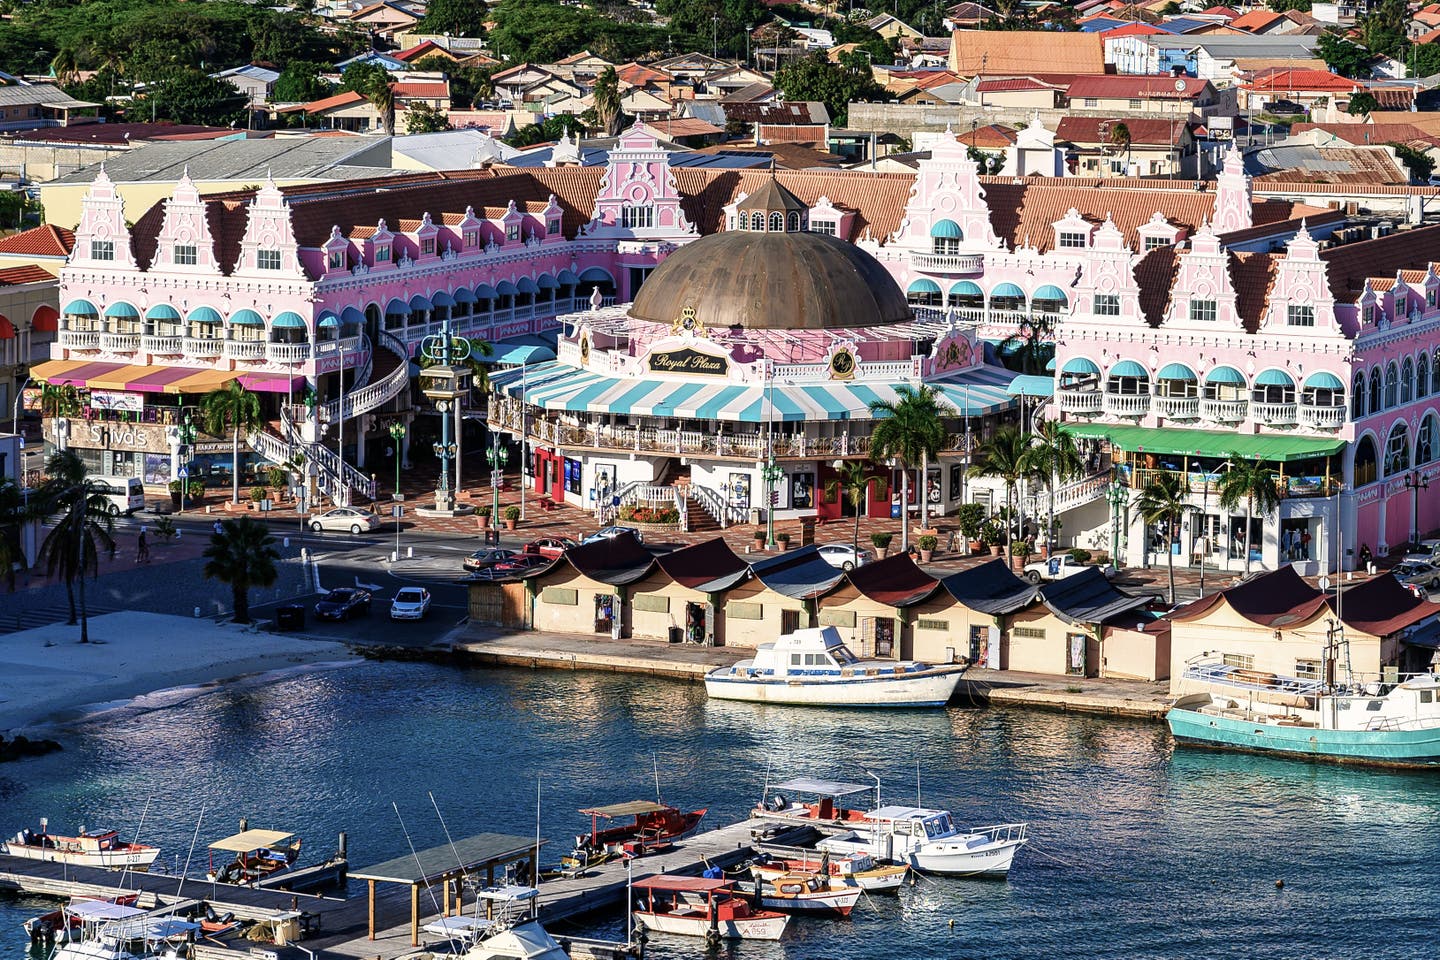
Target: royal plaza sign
688	362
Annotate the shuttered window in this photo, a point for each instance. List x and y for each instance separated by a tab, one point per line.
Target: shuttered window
649	603
837	618
744	611
560	596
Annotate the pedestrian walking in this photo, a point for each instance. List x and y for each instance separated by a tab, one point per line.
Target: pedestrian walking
219	528
142	548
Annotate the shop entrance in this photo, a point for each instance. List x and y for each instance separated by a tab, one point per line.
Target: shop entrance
605	613
695	622
789	621
879	634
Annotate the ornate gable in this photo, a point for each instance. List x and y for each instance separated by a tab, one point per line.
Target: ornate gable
638	196
1107	290
101	237
185	242
268	249
1203	276
1301	283
1233	204
947	188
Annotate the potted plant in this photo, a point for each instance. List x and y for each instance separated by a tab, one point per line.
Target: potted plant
176	488
971	518
759	538
258	494
992	536
926	544
1078	555
512	516
1021	549
196	491
278	479
881	542
783	539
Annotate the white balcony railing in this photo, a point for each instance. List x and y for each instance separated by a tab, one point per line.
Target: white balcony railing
202	346
287	352
1322	418
79	339
164	346
245	349
948	262
1225	411
120	342
1275	413
1178	408
1081	401
1127	404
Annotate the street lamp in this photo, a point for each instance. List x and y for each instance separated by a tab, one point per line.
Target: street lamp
497	456
397	435
185	433
1415	482
771	474
1117	495
445	383
19	396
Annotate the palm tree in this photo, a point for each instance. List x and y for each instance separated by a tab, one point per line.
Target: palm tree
1164	502
243	555
83	527
66	64
236	409
1056	458
1120	137
1253	484
606	99
13	514
1005	456
1033	342
908	429
854	485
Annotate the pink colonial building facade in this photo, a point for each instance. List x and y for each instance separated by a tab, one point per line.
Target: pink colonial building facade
1188	321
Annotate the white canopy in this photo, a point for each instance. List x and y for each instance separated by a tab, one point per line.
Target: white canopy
252	840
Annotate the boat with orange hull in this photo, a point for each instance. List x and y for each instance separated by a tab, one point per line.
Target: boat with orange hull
707	907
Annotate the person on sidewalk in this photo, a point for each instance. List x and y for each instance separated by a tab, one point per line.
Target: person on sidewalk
142	548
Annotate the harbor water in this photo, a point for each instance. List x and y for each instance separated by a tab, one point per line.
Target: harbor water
1141	849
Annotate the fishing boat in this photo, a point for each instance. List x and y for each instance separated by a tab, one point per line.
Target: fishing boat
779	803
91	848
71	920
809	893
858	870
707	907
652	826
1378	724
140	936
813	667
928	841
510	931
258	854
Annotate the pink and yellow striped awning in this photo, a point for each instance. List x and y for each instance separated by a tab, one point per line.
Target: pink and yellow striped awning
139	378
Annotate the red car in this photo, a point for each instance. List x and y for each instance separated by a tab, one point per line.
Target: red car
551	548
526	561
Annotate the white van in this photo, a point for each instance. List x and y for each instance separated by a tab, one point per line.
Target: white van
122	494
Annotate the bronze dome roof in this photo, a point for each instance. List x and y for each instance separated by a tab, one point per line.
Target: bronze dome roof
772	281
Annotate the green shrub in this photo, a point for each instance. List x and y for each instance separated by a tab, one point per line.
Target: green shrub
782	538
971	518
1079	556
512	512
165	529
881	540
483	511
258	493
927	542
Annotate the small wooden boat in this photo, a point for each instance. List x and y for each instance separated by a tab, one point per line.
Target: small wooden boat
703	907
856	870
655	826
809	893
92	848
779	803
258	854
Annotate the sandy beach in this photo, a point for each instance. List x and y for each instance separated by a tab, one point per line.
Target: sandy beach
48	676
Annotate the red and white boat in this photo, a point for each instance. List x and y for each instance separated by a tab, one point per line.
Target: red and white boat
80	911
92	848
652	827
858	870
812	802
809	893
704	907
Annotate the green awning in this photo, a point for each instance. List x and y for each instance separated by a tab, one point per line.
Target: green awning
1207	443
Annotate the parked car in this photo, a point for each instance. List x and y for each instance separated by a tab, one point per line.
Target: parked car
487	557
551	547
345	519
1058	567
610	533
343	603
1426	551
525	561
1413	573
844	556
410	603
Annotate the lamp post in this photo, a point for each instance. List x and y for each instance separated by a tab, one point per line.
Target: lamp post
1118	496
497	456
186	435
397	435
772	473
1415	482
445	383
19	396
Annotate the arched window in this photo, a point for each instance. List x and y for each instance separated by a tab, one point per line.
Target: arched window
1425	440
742	222
1357	397
777	223
1397	450
757	221
1365	461
1392	385
794	225
1375	405
1407	381
1422	376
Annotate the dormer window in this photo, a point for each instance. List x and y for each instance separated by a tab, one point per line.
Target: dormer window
1300	316
1072	241
1369	314
267	259
552	228
757	221
102	250
382	254
427	246
793	224
1430	297
1152	243
826	227
184	254
472	239
633	218
337	261
512	231
777	223
1202	311
1107	304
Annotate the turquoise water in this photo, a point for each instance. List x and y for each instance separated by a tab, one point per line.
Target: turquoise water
1141	850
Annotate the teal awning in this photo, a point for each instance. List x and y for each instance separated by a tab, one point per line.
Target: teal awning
247	318
1050	365
506	288
547	282
523	349
597	275
1080	366
1051	292
947	228
205	315
966	288
923	286
418	302
1176	371
1274	378
442	299
352	316
80	308
1225	375
567	277
328	319
162	311
1128	368
1323	381
1008	290
289	319
526	285
396	307
464	295
1031	385
484	291
122	311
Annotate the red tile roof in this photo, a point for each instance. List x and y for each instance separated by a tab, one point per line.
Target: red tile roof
421	89
1219	12
1138	87
123	132
420	51
1133	30
1143	130
1255	20
12	276
1351	264
1009	84
638	75
42	241
1282	79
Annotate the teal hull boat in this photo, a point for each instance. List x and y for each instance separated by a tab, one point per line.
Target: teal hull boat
1380	747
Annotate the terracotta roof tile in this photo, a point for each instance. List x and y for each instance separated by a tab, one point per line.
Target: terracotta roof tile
13	276
1009	84
1351	264
1381	284
1252	275
42	241
1146	87
1289	79
1143	130
1367	165
878	198
1414	277
1255	20
989	52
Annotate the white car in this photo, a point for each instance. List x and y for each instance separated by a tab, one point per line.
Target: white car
610	533
844	556
345	519
410	603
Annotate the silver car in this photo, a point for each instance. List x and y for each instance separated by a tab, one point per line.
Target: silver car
410	603
844	556
1413	573
345	519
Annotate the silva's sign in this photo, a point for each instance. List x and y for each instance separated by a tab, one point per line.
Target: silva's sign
688	361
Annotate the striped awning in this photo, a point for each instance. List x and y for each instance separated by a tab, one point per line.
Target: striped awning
134	377
556	386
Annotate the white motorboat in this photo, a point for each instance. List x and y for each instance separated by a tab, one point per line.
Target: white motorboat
92	848
858	870
808	893
136	937
789	802
703	907
929	841
813	667
511	932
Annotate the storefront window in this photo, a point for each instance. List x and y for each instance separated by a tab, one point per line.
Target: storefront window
955	481
1297	538
802	491
572	476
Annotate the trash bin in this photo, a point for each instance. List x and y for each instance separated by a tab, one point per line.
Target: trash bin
677	634
290	616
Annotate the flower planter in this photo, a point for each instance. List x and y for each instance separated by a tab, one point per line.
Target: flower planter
510	524
925	555
996	550
651	527
976	546
175	500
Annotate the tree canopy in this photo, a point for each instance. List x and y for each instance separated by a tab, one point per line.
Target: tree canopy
457	18
300	82
189	96
1343	57
834	84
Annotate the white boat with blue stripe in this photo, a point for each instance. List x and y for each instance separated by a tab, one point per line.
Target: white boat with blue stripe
813	667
